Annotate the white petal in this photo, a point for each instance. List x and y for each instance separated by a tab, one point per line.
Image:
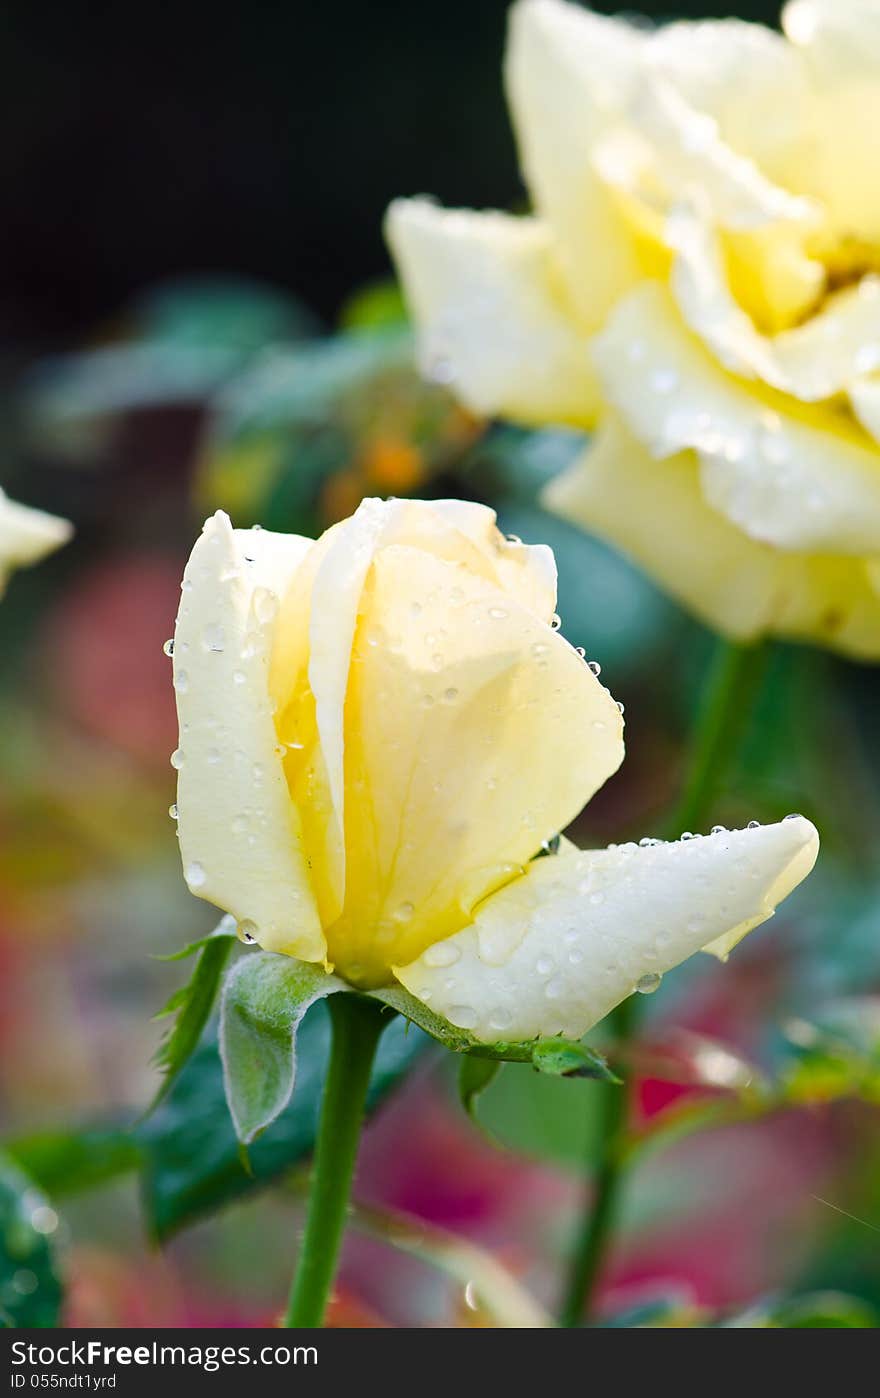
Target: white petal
655	512
812	361
802	483
27	535
684	158
590	925
240	838
568	74
491	312
745	76
839	41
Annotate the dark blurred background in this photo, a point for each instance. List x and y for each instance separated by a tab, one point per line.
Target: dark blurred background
140	143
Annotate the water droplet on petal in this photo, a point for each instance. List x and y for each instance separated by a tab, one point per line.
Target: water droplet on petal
404	912
195	874
442	954
247	931
555	621
177	759
595	667
181	682
168	648
172	811
450	695
753	825
214	638
719	829
793	815
500	1019
647	984
544	965
463	1016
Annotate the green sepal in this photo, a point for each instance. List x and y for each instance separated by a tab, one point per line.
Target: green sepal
563	1058
557	1056
265	996
474	1076
192	1003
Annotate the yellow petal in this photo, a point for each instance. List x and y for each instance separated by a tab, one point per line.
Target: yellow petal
568	73
313	640
492	315
655	512
593	924
684	157
812	361
27	535
839	41
473	732
746	77
806	483
240	838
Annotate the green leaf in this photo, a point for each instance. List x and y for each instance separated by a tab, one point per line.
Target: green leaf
68	1162
545	1118
192	1004
474	1076
563	1058
192	1164
30	1291
264	999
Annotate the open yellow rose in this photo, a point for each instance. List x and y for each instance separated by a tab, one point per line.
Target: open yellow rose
378	732
700	282
26	536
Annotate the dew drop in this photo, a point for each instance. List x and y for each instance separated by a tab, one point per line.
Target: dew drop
181	682
555	621
442	954
620	707
168	648
595	667
450	695
793	815
579	650
172	811
247	931
214	638
647	984
501	1019
688	835
404	912
195	874
753	825
555	989
177	759
544	965
265	605
463	1016
575	957
719	829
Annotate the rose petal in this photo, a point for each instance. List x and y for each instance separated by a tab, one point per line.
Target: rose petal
812	361
27	535
592	924
473	732
492	313
655	512
568	74
240	838
801	483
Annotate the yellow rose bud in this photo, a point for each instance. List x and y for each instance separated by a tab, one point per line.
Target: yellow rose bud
26	536
378	732
698	282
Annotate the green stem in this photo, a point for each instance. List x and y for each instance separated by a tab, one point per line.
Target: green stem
731	689
357	1024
